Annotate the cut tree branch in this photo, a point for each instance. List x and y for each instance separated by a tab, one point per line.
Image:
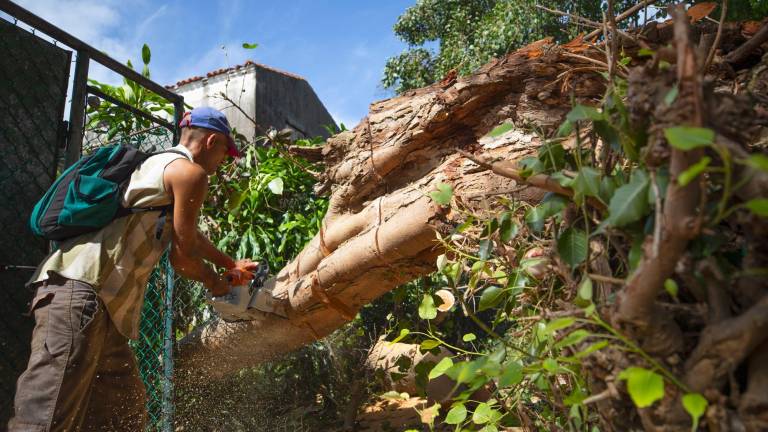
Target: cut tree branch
506	169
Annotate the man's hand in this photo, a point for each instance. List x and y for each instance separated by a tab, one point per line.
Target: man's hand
219	287
241	273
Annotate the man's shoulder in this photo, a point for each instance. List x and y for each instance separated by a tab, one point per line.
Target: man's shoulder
182	172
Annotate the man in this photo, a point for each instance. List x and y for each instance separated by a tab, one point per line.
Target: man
89	293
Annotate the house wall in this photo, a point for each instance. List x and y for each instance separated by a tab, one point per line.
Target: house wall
238	85
284	101
272	98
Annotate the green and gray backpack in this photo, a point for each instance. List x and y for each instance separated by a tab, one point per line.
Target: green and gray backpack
87	196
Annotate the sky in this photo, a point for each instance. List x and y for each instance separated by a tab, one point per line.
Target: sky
339	46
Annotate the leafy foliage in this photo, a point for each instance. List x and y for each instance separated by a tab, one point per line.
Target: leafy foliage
114	122
452	34
263	206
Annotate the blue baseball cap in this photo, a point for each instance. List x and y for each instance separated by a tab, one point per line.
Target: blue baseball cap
211	119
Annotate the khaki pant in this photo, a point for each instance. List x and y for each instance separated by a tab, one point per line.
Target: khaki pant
82	375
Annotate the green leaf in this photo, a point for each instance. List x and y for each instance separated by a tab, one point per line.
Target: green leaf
693	171
250	45
558	324
456	415
688	138
565	129
582	112
403	334
758	206
429	344
500	130
427	309
585	289
597	346
644	386
276	186
443	194
486	247
645	52
464	372
572	246
695	405
629	202
146	54
485	414
490	297
469	337
671	286
507	229
573	338
550	206
512	375
440	368
586	183
671	95
758	161
393	395
550	365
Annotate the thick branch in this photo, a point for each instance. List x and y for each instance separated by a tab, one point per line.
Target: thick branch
724	345
680	222
741	53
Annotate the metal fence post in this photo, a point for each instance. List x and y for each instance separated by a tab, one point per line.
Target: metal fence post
168	408
77	109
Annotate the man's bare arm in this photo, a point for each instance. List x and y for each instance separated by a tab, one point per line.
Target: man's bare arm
210	253
188	184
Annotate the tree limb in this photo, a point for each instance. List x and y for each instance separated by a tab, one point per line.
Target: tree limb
505	168
741	53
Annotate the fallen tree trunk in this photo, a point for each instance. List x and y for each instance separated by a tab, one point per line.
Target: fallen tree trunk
379	231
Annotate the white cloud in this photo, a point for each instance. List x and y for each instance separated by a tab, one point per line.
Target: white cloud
99	24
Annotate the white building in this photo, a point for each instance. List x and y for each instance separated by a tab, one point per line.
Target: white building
255	92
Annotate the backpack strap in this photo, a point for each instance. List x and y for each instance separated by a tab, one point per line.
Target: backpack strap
161	219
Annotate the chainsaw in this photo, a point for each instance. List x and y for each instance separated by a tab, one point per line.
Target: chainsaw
248	301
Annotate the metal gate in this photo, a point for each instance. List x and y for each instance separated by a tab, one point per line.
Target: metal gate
34	75
36	145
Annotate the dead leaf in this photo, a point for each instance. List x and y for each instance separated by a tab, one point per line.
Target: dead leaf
698	11
577	45
447	298
536	49
428	415
749	28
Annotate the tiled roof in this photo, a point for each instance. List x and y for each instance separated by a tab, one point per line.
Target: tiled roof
229	69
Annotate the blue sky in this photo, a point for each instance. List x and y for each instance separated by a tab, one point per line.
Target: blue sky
339	46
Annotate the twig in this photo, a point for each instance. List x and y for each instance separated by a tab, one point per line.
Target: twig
741	53
607	279
711	55
658	215
583	20
613	45
588	59
622	16
541	181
